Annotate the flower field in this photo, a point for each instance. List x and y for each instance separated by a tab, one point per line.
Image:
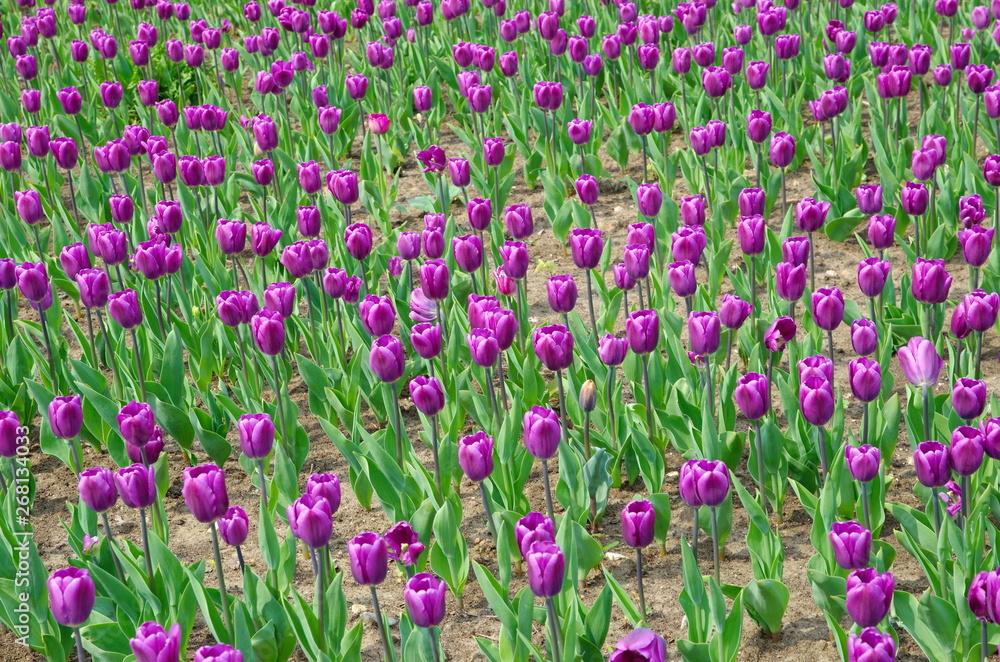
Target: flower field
446	331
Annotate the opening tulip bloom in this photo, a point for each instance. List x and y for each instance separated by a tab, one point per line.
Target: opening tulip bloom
920	362
871	645
152	643
205	493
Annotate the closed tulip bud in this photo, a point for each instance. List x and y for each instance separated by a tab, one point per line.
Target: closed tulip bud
701	141
137	485
369	558
881	231
424	596
310	519
234	526
869	197
790	281
154	644
218	653
704	332
546	569
579	131
268	330
29	206
519	222
815	366
97	488
931	281
688	243
968	397
638	524
692	211
816	401
782	150
871	645
586	246
863	463
872	275
426	340
427	394
828	308
460	172
914	198
358	239
11	438
810	214
920	362
386	359
124	308
864	336
753	395
852	544
681	276
932	465
325	486
869	596
256	432
378	315
981	310
751	231
562	293
204	492
587	189
640	645
71	596
642	328
650	199
612	350
480	212
976	242
704	483
967	449
554	346
734	311
542	432
136	423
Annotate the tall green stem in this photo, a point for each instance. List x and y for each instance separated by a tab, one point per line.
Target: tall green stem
553	619
223	594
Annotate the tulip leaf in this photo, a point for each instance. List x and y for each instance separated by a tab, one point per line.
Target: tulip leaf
622	598
931	621
766	601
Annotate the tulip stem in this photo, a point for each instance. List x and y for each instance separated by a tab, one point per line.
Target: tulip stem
979	355
488	510
590	305
562	406
936	503
380	622
113	547
812	264
649	407
715	543
866	507
548	490
503	389
638	578
42	317
822	454
864	424
223	594
145	548
263	485
759	444
612	421
753	299
493	397
320	594
396	426
829	335
927	416
434	643
139	376
159	307
729	349
239	557
695	529
281	410
80	654
553	619
437	463
76	456
966	497
90	333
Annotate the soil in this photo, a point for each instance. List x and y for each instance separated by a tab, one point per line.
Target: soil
804	634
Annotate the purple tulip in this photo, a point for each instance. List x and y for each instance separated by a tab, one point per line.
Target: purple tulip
852	545
310	519
863	463
869	595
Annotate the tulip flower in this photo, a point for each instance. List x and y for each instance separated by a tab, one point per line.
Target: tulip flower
640	645
369	561
871	644
424	596
71	599
852	545
638	524
869	596
152	643
546	574
706	483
